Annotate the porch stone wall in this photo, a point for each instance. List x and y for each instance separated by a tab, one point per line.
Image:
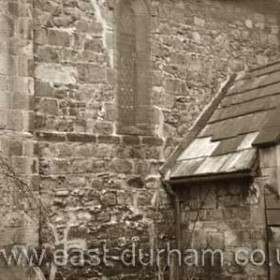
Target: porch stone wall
229	217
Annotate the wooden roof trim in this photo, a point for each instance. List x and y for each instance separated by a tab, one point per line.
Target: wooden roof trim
246	174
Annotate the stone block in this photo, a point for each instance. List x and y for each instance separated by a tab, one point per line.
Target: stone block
48	106
24	67
152	152
109	139
24	85
131	140
273	39
82	26
51	136
103	128
79	166
190	216
63	166
273	217
243	213
5	64
216	240
4	83
91	73
5	100
136	182
15	148
249	23
3	119
120	166
199	240
111	113
175	87
94	44
210	202
214	215
229	201
25	28
152	141
56	73
81	137
109	199
60	38
24	165
272	202
104	151
63	21
47	54
7	26
145	198
98	166
17	120
82	150
199	21
258	215
13	8
40	36
43	89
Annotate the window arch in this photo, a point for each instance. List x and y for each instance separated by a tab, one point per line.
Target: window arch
133	67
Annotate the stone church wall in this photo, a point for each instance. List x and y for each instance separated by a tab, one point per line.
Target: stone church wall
101	186
18	147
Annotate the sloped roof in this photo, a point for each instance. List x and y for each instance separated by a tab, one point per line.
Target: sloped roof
247	116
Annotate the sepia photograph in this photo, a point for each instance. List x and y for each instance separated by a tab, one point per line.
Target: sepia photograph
139	140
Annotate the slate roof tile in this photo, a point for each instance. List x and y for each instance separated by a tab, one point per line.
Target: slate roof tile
254	83
245	108
201	147
274	119
186	168
239	161
270	133
212	165
248	116
228	145
247	141
251	95
267	137
270	68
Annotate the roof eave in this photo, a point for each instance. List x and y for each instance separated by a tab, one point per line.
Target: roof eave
240	175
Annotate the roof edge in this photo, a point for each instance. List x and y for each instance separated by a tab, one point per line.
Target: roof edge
198	125
272	63
245	174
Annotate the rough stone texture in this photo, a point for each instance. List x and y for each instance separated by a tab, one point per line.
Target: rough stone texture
17	145
225	216
235	215
100	186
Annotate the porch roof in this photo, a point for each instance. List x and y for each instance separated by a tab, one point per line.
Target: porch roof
247	117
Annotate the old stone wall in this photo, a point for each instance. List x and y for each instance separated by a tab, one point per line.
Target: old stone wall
229	219
195	45
103	187
17	143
